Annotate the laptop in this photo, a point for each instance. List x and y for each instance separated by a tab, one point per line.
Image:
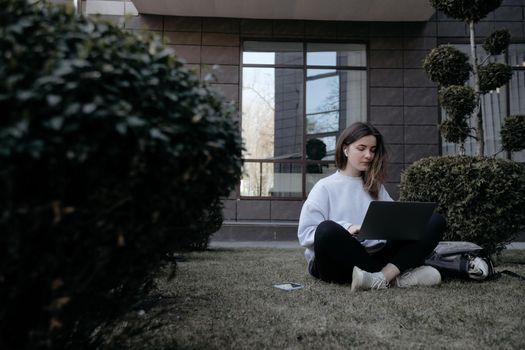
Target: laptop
396	220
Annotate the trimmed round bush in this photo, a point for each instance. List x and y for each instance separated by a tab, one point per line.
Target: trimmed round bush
497	42
458	100
481	198
112	152
447	66
466	10
493	76
315	149
455	130
513	133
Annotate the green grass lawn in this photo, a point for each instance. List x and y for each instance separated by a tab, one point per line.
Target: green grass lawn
225	299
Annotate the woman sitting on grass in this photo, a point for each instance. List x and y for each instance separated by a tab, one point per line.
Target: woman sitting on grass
332	215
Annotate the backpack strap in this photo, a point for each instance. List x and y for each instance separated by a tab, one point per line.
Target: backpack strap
498	274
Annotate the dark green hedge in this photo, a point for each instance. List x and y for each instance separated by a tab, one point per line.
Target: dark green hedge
112	153
481	198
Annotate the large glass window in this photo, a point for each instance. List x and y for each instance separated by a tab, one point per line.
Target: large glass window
296	98
497	104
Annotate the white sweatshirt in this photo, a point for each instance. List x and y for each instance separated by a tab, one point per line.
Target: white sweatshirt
339	198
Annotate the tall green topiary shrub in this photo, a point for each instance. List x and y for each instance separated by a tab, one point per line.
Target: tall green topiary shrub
111	152
481	198
513	133
450	69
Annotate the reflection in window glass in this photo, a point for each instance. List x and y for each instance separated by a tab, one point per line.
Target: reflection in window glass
257	52
321	148
334	99
272	180
258	179
287	180
336	55
272	122
317	123
330	142
251	181
315	73
322	91
316	172
259	57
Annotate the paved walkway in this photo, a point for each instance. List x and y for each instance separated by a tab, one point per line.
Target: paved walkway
516	245
294	244
255	244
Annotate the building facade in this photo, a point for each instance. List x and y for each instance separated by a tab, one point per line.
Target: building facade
300	74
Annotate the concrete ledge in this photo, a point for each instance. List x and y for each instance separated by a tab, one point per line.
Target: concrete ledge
260	223
255	244
277	234
516	245
242	231
293	244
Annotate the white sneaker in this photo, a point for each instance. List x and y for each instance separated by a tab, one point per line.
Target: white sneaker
362	280
478	269
419	276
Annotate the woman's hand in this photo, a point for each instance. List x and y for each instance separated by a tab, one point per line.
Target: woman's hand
354	229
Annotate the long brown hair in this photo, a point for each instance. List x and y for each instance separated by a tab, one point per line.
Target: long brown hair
374	177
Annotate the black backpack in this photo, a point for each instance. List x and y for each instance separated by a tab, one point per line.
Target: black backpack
461	259
467	260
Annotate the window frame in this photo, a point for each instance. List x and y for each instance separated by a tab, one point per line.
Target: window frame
304	67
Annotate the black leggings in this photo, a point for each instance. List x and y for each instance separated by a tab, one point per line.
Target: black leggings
337	252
